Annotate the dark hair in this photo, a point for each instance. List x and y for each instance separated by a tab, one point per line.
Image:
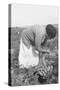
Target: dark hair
51	31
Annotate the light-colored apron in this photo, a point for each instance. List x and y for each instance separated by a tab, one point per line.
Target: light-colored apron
26	57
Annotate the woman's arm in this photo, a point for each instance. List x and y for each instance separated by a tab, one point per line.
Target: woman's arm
35	52
43	50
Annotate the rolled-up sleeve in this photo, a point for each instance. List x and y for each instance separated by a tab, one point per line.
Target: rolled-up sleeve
27	37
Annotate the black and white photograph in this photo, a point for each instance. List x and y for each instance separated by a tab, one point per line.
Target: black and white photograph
33	45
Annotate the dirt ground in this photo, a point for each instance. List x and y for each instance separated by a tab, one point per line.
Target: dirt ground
32	76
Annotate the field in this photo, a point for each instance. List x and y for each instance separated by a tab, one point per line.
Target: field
32	76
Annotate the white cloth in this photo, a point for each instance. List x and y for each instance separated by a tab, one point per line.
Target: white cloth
26	57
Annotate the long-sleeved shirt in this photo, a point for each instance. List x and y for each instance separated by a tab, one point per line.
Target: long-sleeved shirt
34	35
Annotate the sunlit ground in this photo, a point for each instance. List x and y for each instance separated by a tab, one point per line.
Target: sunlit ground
32	76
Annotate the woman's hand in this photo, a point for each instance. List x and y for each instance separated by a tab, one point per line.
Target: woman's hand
44	50
35	52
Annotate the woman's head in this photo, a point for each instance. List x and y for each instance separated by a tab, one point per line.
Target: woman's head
50	31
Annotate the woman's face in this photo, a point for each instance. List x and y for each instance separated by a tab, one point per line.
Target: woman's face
45	40
47	37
